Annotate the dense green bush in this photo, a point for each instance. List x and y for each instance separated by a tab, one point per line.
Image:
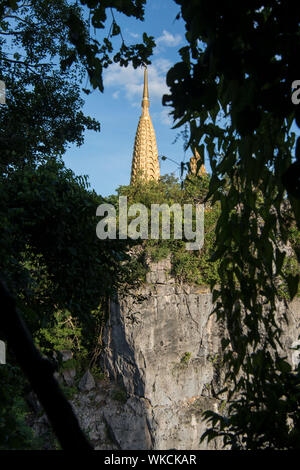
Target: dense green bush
15	433
196	267
58	271
187	266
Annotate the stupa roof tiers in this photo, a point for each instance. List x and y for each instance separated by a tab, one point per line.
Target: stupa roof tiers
145	162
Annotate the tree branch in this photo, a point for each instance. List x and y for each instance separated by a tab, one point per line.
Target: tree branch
14	17
21	62
11	33
39	372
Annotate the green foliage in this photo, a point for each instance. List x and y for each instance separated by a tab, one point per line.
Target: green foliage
42	115
235	96
63	335
157	251
186	358
69	391
119	395
56	36
97	373
187	266
48	214
201	268
290	285
15	432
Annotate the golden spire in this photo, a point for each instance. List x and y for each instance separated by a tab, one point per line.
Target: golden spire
145	162
145	92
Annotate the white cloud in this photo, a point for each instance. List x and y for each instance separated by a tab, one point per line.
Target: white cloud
165	118
163	65
134	35
129	81
168	39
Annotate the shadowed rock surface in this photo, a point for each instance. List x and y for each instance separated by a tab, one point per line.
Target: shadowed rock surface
163	347
162	353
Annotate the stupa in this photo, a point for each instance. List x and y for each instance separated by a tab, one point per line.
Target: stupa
145	162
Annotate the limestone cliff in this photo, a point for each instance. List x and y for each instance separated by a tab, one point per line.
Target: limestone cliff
162	354
163	347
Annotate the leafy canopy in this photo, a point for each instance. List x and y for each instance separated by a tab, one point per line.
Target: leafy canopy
233	89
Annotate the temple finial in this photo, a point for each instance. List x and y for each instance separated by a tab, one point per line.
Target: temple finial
145	102
145	161
146	92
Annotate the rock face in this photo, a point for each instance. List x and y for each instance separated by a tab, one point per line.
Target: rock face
162	354
87	382
163	347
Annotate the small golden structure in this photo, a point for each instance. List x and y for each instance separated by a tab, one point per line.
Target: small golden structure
145	162
193	165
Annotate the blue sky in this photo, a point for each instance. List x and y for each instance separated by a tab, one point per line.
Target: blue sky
105	157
